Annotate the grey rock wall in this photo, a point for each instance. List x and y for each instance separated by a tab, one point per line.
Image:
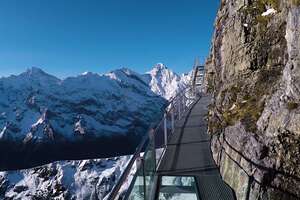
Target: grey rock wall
253	72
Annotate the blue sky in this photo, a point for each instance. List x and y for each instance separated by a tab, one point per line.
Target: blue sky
68	37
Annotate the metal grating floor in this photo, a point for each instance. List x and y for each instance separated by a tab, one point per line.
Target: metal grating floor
188	154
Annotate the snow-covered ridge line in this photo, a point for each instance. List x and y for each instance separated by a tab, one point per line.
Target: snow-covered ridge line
36	107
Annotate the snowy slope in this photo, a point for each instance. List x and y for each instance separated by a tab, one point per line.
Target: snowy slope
87	179
43	118
92	111
37	106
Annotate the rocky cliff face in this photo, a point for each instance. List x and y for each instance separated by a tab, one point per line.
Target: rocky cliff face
253	72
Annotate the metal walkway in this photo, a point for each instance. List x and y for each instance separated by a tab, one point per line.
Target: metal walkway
188	153
174	160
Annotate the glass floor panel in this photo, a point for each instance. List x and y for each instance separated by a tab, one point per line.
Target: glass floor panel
178	188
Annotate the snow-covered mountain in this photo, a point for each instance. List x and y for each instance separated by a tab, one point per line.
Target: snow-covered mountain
87	179
165	82
44	118
37	106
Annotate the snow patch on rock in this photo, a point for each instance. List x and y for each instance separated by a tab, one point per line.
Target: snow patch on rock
270	11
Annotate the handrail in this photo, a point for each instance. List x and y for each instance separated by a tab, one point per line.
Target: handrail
126	172
115	191
178	104
256	165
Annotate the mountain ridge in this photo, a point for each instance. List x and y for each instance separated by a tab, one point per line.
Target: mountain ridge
39	110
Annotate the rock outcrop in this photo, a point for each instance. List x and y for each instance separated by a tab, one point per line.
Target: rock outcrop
253	72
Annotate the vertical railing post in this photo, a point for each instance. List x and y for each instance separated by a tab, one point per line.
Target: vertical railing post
141	165
182	105
184	102
173	118
152	138
179	108
165	129
144	178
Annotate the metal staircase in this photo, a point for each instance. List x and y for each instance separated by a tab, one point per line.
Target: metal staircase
198	76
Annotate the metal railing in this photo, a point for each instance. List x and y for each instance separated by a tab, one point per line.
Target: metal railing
138	179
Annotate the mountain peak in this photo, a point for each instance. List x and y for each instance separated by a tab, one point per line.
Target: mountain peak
89	74
158	69
160	66
38	74
164	81
34	70
85	73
